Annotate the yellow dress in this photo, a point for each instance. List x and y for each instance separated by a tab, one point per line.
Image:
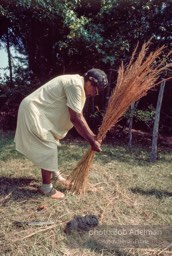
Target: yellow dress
43	119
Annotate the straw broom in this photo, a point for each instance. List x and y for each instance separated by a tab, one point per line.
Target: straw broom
133	82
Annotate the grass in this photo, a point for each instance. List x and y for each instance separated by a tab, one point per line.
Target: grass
130	191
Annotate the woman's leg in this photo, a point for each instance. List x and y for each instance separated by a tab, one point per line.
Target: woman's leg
46	176
47	186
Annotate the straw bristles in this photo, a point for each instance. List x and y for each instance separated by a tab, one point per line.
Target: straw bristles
78	183
133	82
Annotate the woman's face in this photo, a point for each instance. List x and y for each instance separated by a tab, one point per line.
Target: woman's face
90	90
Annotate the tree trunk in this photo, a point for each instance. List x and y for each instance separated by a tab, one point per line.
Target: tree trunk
133	109
153	155
9	58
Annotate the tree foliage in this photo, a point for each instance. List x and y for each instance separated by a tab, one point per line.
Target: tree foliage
71	36
58	36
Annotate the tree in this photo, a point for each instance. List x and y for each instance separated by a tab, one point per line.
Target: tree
133	108
9	57
153	155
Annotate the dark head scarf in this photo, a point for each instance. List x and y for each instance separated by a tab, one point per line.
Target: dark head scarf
97	77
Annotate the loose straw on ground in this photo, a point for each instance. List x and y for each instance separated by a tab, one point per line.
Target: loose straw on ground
133	82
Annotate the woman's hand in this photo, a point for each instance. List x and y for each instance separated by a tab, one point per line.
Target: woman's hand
96	145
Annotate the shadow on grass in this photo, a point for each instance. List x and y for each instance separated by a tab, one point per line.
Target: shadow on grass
83	240
95	246
17	189
135	158
152	192
21	181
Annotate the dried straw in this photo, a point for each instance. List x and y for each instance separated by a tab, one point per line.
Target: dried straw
133	82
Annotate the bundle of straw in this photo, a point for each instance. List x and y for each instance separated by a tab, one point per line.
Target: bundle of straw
133	82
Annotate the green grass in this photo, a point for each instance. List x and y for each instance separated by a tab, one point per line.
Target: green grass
130	191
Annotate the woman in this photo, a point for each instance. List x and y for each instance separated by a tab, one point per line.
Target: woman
47	114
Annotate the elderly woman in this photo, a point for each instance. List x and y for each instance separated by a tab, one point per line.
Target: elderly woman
47	114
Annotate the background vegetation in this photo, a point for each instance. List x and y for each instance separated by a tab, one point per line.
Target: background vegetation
57	37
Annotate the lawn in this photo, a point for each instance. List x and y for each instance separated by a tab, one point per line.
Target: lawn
128	191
